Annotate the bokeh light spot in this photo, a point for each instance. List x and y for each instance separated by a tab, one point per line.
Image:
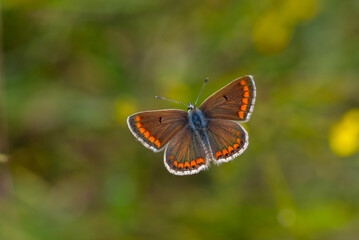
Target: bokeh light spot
123	107
270	34
344	135
286	217
3	158
300	10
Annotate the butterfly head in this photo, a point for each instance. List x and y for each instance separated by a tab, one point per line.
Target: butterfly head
191	107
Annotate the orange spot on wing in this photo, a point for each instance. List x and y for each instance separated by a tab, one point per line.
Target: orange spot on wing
246	94
236	146
230	149
180	165
243	107
193	163
243	82
225	152
238	133
137	118
186	164
170	158
142	130
151	139
241	115
238	140
138	125
245	100
146	134
218	154
157	143
245	88
200	161
175	163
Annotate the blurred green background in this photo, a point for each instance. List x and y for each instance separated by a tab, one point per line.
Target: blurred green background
74	70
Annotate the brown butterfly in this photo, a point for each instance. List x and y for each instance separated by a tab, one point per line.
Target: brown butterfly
194	138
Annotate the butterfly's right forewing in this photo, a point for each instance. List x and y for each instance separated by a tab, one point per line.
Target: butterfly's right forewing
155	129
233	102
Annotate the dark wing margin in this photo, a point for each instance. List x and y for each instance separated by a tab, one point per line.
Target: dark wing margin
155	129
234	101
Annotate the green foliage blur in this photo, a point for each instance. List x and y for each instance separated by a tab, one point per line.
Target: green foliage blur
72	71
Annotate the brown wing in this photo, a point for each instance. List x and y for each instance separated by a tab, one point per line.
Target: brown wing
235	101
154	129
227	140
185	154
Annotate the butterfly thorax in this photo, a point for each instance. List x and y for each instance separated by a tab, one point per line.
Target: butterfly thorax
197	123
196	119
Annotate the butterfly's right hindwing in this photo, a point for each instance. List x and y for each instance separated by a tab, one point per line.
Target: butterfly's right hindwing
227	139
154	129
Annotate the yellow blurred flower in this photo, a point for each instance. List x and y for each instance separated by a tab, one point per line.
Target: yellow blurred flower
344	135
299	10
272	31
270	34
124	107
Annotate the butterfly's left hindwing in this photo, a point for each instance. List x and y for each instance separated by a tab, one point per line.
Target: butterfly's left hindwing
154	129
185	154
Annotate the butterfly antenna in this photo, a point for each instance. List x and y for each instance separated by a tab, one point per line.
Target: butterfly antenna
170	100
204	84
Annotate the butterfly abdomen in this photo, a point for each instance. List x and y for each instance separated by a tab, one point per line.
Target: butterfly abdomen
198	124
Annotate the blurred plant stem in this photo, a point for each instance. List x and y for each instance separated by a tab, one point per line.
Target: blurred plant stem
3	123
5	177
282	197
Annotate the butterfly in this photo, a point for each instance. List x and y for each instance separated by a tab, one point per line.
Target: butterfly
194	138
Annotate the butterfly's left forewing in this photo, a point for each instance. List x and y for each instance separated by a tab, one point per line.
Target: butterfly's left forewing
155	129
